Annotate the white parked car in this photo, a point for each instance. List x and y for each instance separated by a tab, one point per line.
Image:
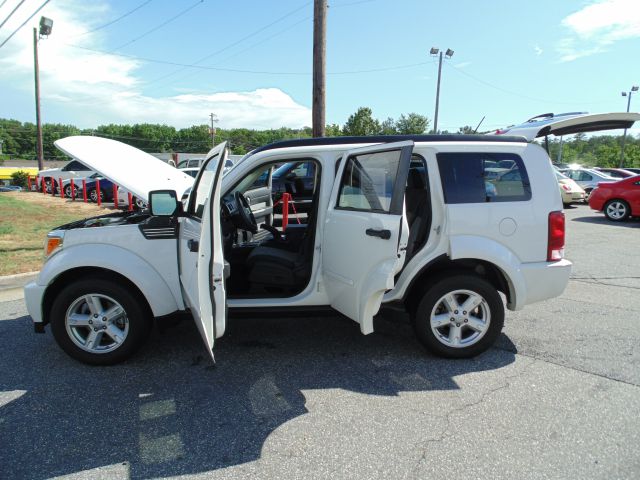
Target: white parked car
588	178
73	169
403	221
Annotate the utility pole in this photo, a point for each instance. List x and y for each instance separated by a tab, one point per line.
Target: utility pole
319	54
36	68
212	130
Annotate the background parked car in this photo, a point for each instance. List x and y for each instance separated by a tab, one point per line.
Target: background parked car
10	188
587	178
618	200
571	192
73	169
633	170
106	190
616	172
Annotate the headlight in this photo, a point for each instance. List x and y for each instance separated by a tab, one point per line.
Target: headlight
53	243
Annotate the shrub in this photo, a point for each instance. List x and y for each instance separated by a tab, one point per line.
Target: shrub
19	178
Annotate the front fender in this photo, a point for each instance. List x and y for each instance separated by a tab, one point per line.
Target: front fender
117	259
482	248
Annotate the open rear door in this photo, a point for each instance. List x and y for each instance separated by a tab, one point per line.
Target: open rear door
366	231
201	254
570	123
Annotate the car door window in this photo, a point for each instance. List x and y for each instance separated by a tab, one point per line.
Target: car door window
368	181
585	177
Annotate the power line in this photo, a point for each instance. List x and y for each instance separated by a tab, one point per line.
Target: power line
178	15
233	44
24	23
504	90
12	12
237	70
108	24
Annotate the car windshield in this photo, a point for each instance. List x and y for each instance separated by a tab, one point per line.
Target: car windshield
283	169
560	175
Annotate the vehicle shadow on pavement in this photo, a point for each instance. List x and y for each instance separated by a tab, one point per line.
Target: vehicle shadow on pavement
169	412
601	220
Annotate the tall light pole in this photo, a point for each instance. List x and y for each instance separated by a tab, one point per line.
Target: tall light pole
624	136
212	130
46	24
448	54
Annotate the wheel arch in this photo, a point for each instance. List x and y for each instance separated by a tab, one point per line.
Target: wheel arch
80	273
445	266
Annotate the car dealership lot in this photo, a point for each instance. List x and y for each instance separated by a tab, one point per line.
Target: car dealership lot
312	398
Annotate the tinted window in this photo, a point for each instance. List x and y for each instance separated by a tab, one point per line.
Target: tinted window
480	178
368	180
74	165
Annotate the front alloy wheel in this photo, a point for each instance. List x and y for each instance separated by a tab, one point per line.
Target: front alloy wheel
616	210
459	316
98	321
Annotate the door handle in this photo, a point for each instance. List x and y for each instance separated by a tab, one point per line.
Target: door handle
383	234
193	245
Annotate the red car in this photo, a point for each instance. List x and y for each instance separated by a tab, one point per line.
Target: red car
619	200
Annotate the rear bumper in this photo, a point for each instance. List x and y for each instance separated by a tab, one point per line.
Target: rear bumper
545	280
33	294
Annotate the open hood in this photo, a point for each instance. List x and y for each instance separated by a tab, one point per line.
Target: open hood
132	169
570	123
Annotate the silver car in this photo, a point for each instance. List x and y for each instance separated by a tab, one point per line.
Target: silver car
588	178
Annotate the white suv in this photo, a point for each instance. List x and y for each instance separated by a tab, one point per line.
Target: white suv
417	222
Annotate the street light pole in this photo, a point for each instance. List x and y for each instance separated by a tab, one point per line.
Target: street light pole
624	135
214	118
36	69
448	54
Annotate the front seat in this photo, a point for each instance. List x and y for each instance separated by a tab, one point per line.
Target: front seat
272	268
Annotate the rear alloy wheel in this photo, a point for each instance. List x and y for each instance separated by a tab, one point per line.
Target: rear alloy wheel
460	316
616	210
93	195
67	191
98	322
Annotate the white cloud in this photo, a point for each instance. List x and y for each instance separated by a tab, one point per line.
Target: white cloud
597	26
95	88
538	51
462	64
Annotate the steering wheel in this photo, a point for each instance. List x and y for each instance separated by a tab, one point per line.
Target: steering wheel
247	219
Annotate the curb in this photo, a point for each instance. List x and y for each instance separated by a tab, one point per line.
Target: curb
18	280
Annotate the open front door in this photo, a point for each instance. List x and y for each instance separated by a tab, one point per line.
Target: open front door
201	254
366	231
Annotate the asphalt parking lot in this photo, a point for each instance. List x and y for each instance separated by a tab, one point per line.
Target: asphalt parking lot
557	398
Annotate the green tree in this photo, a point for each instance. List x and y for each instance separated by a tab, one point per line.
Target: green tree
388	127
413	123
361	123
466	130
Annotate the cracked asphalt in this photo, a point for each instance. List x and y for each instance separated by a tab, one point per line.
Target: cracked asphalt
557	398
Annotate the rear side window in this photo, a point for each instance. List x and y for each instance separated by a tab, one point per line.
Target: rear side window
483	177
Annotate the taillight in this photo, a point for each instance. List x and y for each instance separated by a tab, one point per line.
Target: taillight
555	246
566	187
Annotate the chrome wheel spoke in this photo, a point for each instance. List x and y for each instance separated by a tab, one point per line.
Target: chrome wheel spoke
116	334
472	303
94	304
477	324
113	313
450	302
441	320
78	320
455	334
93	339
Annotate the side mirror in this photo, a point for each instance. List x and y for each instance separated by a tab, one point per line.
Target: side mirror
164	203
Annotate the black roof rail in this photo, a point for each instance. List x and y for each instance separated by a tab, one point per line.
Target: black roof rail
308	142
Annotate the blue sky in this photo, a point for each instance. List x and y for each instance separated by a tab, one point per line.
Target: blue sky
512	60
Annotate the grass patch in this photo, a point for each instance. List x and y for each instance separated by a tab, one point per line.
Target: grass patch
25	220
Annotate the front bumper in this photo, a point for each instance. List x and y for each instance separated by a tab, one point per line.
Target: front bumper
33	295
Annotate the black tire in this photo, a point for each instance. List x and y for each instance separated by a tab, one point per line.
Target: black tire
136	316
432	299
617	210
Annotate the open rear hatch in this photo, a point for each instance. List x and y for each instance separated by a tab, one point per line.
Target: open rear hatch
570	123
